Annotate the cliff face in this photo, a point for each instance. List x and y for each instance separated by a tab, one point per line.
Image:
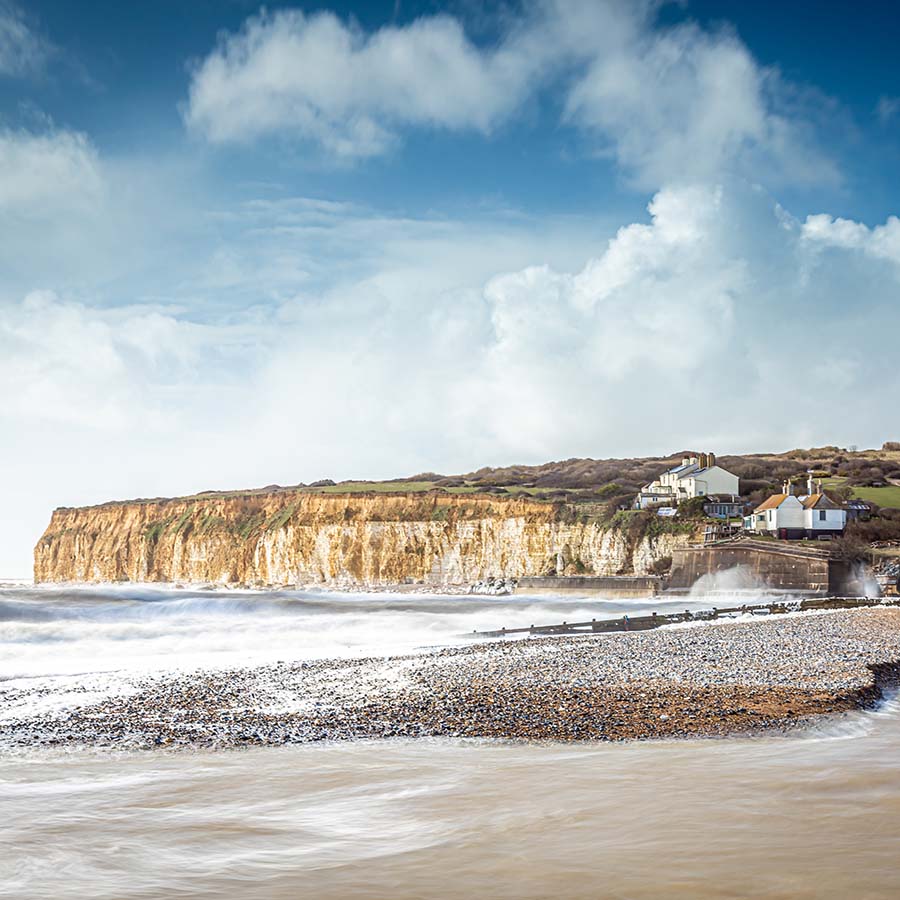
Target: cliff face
343	540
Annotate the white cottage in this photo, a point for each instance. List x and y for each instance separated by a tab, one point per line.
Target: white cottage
813	515
697	476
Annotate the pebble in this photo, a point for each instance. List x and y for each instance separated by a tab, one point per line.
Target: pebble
711	680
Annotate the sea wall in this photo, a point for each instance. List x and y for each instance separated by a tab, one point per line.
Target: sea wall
782	565
342	540
608	585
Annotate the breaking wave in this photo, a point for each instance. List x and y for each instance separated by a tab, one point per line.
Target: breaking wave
66	630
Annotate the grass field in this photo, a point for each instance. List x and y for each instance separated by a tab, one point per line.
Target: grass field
883	496
382	487
353	487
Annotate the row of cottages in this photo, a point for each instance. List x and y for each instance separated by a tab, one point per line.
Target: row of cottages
811	515
697	476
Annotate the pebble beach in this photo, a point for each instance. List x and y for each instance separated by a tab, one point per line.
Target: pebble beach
715	679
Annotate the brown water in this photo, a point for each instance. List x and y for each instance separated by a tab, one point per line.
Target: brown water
815	816
809	816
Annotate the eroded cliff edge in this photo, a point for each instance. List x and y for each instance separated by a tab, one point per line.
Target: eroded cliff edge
341	540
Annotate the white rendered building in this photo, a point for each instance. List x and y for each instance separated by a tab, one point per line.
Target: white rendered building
697	476
812	515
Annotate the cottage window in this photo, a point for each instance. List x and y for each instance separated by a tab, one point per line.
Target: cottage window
822	515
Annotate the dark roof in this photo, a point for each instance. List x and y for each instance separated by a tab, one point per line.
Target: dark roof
818	501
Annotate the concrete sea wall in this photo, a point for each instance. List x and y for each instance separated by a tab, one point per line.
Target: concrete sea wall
782	565
607	585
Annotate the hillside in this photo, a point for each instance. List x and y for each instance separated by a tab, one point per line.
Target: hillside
568	517
871	474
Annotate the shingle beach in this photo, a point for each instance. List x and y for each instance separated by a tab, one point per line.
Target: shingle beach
708	680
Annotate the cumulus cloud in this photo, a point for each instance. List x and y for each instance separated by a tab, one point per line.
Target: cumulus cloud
316	77
880	242
683	104
721	320
55	169
74	219
698	302
291	339
106	369
22	50
667	103
58	214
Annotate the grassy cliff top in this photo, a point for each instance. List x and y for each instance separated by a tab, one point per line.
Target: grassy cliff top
870	474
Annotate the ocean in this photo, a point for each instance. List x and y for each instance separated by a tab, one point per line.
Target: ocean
814	814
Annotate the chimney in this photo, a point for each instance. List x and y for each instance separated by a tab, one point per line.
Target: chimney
685	460
809	482
712	459
787	488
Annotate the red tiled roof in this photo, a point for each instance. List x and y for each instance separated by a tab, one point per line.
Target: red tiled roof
772	503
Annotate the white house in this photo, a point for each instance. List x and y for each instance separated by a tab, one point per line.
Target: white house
697	476
812	515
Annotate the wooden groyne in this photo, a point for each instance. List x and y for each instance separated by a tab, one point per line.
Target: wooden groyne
657	620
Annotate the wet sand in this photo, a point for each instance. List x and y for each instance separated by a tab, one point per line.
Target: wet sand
710	680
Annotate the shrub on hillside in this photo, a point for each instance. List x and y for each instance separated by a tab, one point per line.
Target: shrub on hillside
840	494
870	475
692	509
616	503
851	548
761	485
879	528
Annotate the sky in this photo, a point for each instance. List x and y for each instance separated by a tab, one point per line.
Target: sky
245	245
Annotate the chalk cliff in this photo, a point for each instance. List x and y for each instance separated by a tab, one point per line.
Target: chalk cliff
342	540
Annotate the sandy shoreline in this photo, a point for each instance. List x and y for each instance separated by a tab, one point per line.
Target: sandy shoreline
712	680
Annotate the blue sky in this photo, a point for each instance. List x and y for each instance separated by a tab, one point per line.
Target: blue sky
120	72
243	246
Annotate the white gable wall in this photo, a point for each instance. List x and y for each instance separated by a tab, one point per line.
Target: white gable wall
688	481
714	480
673	480
834	520
790	514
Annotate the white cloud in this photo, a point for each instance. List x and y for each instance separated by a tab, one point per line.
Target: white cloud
670	104
711	284
177	349
59	216
56	170
22	50
315	77
447	348
684	104
72	219
106	369
880	242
